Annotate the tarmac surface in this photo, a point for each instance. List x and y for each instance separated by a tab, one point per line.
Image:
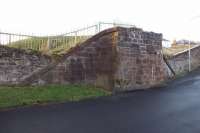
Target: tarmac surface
171	109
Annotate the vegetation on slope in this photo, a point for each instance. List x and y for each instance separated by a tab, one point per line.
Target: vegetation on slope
169	52
29	95
50	45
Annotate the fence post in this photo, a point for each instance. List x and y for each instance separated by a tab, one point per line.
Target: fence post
9	39
32	41
48	43
189	56
99	26
0	38
75	38
64	42
114	24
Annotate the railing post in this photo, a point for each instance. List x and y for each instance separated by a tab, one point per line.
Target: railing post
75	41
0	38
99	27
114	24
32	41
9	39
189	56
48	42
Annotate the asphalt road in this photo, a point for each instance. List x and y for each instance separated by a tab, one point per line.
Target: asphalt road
172	109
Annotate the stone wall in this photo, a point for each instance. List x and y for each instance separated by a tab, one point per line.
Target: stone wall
16	65
141	62
180	61
116	59
92	62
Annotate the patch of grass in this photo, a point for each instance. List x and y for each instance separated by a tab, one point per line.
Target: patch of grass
169	52
20	96
58	44
30	43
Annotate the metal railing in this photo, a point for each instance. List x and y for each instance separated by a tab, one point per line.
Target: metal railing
57	43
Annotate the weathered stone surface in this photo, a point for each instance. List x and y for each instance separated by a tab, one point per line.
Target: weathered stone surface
91	63
117	59
140	59
15	64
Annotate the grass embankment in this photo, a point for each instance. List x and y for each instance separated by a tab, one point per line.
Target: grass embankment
169	52
21	96
58	44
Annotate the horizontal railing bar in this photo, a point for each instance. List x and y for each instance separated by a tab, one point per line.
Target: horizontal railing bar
79	30
14	34
54	43
68	32
118	24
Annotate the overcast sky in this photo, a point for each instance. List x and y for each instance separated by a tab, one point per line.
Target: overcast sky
176	19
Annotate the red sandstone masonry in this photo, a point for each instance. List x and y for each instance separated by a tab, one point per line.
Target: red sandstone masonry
140	59
116	59
16	64
91	62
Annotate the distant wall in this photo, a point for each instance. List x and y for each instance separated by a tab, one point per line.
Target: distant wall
180	61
